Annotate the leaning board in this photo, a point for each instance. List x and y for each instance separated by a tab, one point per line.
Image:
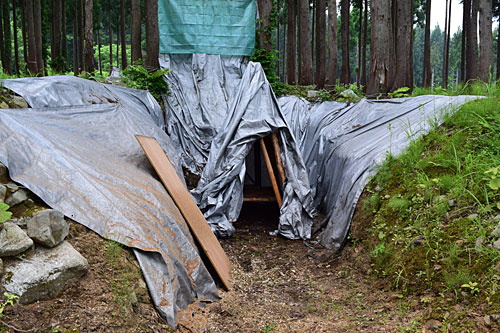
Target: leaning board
188	208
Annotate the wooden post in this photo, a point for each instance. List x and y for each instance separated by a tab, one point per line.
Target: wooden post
277	155
270	171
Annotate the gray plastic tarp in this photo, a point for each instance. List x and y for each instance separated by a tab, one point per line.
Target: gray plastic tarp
342	143
218	107
76	150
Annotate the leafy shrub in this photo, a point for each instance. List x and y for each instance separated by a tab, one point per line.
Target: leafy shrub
137	77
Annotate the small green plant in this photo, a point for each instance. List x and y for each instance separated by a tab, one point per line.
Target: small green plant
5	215
472	287
8	301
137	77
401	92
269	328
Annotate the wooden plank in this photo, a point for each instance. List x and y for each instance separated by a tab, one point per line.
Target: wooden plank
188	208
271	172
277	155
258	194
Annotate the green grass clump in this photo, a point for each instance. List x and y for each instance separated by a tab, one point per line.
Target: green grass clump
433	234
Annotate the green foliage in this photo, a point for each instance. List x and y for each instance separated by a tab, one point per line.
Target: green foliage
425	236
138	77
9	300
4	214
401	92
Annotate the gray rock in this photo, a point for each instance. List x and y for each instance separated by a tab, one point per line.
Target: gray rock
3	192
479	244
12	187
451	203
45	274
312	93
496	233
13	240
496	244
348	93
4	105
487	320
48	228
18	197
18	102
472	216
20	222
497	218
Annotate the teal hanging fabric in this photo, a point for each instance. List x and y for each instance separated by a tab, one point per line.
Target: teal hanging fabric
207	26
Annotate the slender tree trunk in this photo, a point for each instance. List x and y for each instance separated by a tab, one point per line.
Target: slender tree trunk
7	39
313	32
403	51
118	32
110	30
265	8
320	44
445	45
363	50
122	34
3	53
291	48
465	29
498	56
99	51
81	37
486	56
331	71
360	42
427	75
30	24
57	60
16	46
448	37
135	31
306	69
37	18
381	50
152	35
472	56
89	36
24	33
64	36
278	64
345	76
76	64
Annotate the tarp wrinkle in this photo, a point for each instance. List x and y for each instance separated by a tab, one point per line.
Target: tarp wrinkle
77	151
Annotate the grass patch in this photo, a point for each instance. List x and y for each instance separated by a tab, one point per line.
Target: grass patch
433	234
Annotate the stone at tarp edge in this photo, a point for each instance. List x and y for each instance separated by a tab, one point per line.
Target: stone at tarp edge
188	208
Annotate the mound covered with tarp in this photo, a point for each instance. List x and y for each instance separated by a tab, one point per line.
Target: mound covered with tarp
75	149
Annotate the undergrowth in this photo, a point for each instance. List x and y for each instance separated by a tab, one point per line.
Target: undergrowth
434	212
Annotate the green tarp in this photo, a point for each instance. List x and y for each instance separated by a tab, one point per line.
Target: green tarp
207	26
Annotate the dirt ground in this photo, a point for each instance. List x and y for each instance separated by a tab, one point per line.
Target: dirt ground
279	286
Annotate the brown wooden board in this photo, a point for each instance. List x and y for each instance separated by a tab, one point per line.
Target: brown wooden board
188	208
270	170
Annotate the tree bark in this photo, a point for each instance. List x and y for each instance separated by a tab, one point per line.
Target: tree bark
403	51
465	28
306	68
291	47
16	46
64	34
320	44
30	24
486	56
81	38
89	36
445	45
122	34
152	35
37	19
360	42
76	64
472	56
7	39
345	76
498	56
110	30
381	50
426	76
56	35
99	52
265	8
363	50
447	56
331	71
135	31
24	33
